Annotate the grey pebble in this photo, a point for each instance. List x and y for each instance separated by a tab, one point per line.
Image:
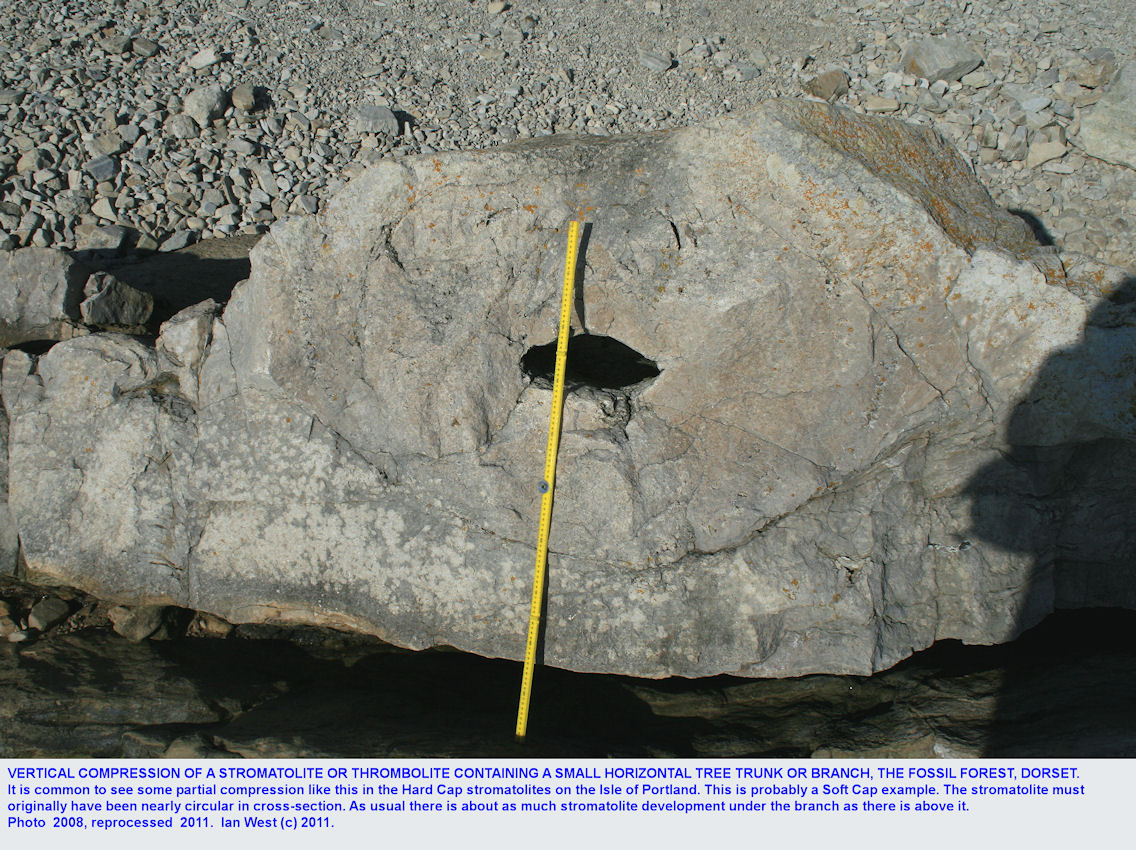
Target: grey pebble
243	97
657	61
373	118
102	168
205	104
144	47
203	59
116	44
48	613
181	126
177	241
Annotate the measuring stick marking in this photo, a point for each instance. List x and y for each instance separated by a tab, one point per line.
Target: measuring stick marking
548	484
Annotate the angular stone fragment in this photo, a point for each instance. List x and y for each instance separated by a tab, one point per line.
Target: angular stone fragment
137	624
144	47
176	241
806	341
1108	131
203	59
656	60
243	97
113	305
940	58
102	168
828	86
40	291
116	44
33	160
182	343
372	118
105	238
1042	152
205	104
48	613
1095	68
181	126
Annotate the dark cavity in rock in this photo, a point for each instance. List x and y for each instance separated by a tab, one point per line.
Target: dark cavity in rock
593	360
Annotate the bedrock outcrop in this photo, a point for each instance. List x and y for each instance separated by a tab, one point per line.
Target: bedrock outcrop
825	399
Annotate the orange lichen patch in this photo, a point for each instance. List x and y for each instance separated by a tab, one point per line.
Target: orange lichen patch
529	207
920	163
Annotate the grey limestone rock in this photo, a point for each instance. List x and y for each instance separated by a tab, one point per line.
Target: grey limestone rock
40	292
373	118
244	97
181	126
205	104
1108	131
112	304
137	624
806	344
203	58
828	86
48	613
940	58
102	168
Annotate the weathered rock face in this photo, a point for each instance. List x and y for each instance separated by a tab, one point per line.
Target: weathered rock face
843	326
1108	129
40	292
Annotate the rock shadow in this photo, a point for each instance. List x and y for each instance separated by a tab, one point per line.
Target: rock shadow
179	279
1040	232
385	702
1061	502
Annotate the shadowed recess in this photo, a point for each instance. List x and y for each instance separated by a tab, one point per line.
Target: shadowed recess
593	360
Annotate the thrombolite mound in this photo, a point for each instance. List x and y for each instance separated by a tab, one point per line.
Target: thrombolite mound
849	339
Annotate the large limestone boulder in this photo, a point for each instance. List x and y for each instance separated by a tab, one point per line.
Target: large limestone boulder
804	339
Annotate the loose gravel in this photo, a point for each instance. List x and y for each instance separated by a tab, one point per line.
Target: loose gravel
207	118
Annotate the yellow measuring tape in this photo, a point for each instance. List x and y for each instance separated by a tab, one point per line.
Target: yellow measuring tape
549	483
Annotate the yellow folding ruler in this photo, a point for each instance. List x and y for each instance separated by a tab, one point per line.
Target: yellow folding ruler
549	483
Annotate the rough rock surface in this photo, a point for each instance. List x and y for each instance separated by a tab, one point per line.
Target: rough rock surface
1109	131
112	304
40	291
940	58
9	537
845	325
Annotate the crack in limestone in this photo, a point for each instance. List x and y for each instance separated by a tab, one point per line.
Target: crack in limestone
914	365
976	372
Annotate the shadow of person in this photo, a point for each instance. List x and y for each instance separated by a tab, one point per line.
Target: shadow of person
1062	497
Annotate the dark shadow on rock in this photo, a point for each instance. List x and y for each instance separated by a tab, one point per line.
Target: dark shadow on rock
180	279
393	703
406	121
1039	230
581	271
1062	502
